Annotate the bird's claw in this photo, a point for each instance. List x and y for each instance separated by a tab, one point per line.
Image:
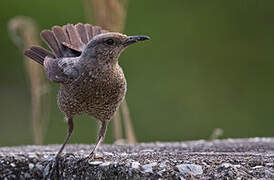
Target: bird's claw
95	156
92	157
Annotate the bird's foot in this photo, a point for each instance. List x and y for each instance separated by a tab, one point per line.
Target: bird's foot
51	170
87	161
94	157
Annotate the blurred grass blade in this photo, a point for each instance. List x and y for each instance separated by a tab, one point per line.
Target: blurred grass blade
23	32
117	126
110	14
128	125
216	134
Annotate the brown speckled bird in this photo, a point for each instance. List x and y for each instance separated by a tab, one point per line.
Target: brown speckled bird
84	60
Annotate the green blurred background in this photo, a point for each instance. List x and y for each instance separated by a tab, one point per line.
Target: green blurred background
209	65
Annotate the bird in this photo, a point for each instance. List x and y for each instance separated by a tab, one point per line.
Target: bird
83	59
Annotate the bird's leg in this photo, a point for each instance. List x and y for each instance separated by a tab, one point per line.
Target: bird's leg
101	137
54	163
70	129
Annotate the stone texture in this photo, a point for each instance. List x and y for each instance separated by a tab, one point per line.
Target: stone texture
219	159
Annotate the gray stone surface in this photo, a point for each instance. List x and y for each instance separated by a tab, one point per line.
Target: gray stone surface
219	159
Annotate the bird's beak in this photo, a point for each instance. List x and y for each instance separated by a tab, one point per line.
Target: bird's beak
134	39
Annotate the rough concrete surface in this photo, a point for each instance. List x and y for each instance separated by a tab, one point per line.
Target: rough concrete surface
219	159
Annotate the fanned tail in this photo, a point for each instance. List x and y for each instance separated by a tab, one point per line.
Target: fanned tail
66	41
70	40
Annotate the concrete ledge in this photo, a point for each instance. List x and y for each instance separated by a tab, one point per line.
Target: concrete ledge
219	159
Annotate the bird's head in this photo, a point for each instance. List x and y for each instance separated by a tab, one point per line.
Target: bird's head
107	47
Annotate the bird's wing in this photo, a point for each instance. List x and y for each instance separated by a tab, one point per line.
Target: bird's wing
63	70
70	40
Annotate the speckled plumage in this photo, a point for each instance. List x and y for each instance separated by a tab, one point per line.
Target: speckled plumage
84	60
97	92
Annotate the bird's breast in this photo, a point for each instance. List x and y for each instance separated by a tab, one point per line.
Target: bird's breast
94	92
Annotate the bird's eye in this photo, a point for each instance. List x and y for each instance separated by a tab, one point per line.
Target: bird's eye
109	41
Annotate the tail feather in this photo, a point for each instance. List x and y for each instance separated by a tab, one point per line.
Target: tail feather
89	31
51	41
96	30
74	37
42	52
82	32
60	34
33	55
